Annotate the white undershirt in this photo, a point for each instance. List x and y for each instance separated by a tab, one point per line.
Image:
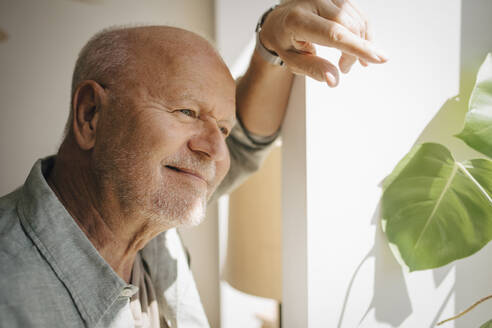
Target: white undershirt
143	304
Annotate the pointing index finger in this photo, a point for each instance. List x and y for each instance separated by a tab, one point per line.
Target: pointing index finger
316	29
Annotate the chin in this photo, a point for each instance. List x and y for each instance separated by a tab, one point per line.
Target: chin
175	211
195	216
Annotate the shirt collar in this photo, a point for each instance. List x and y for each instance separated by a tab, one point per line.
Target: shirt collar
92	283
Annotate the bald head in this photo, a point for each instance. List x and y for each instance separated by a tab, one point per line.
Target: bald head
151	110
126	57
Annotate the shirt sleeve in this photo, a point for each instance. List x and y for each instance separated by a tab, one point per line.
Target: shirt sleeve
247	152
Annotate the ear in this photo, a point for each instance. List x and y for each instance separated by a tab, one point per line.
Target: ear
88	99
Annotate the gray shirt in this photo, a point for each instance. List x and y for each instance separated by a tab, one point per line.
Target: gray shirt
52	276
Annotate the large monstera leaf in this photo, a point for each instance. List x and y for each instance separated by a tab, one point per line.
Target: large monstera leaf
436	210
477	132
488	324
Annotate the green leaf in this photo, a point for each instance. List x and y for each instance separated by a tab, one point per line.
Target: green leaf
436	210
488	324
477	132
399	167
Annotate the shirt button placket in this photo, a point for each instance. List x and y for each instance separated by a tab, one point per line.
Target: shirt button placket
129	291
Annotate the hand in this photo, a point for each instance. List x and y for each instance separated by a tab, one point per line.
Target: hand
291	29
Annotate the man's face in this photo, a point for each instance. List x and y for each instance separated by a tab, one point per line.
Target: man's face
161	147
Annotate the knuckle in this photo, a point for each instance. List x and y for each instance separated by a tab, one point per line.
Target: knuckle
313	72
338	3
335	34
304	46
293	18
349	23
355	27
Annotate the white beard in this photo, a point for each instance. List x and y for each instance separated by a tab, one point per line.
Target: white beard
165	199
179	209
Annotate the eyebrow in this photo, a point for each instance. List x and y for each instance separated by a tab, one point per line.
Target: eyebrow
187	97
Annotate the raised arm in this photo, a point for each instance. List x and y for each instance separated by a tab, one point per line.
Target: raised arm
290	31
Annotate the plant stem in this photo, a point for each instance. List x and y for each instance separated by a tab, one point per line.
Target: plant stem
466	311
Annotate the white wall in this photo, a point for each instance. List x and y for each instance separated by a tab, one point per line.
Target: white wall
37	60
338	269
352	270
36	64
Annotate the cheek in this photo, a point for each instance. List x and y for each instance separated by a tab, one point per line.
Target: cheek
157	136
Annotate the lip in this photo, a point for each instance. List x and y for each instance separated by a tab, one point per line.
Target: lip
187	172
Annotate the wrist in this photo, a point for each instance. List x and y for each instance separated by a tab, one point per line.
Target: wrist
262	47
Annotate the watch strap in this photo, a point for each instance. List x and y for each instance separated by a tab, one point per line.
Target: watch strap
270	56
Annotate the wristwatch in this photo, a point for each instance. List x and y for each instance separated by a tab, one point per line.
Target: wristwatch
270	56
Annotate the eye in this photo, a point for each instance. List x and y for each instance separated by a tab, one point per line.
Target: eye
188	112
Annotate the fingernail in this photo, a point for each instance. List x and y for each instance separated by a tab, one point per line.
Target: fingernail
343	67
382	57
330	79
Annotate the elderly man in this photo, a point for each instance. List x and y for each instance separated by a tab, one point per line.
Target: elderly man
90	240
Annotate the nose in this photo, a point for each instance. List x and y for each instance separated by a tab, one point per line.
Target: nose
209	141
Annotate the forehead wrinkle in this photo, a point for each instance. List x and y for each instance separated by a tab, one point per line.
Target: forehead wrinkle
170	62
183	101
177	96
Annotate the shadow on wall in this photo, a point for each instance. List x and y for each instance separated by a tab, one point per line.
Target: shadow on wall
472	282
389	280
3	36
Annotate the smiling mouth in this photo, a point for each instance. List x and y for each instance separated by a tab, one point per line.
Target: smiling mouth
189	173
174	168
